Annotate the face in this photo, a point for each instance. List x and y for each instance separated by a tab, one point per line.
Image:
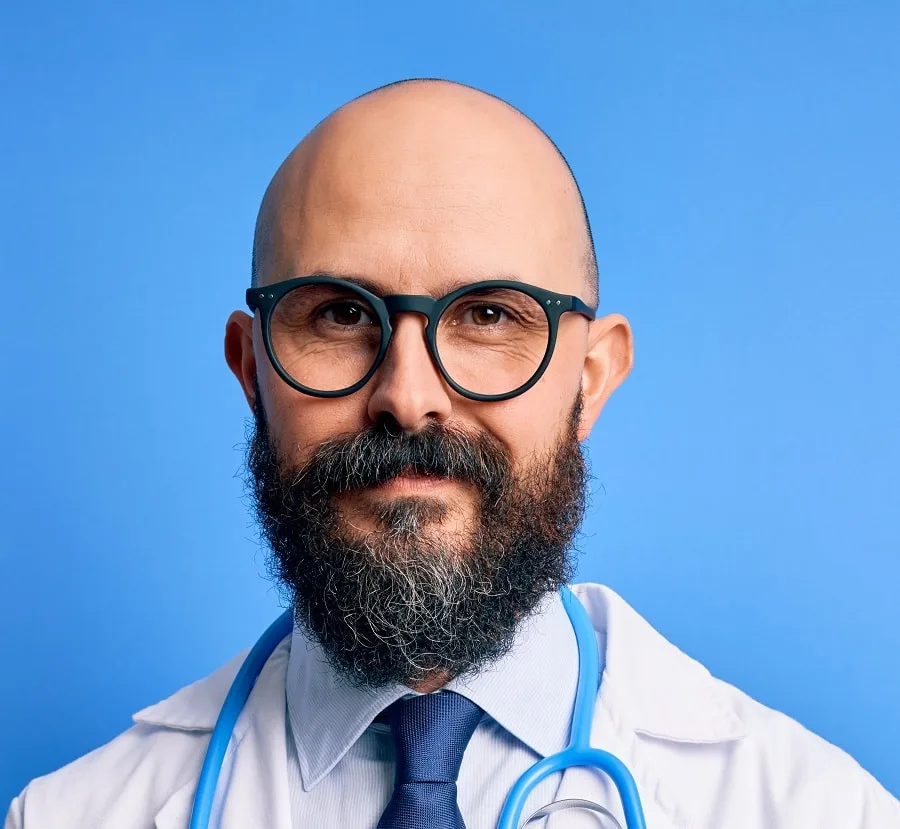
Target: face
418	196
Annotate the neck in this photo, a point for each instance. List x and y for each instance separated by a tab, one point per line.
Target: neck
431	682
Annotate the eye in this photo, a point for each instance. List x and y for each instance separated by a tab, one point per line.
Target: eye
484	314
347	313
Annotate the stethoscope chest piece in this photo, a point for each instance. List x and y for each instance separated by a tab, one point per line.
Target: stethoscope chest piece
601	818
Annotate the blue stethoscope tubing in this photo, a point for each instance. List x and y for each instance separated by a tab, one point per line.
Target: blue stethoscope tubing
577	753
237	697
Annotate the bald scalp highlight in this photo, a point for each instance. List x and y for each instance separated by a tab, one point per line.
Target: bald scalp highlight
589	255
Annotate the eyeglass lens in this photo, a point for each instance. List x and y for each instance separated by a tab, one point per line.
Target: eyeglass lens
490	341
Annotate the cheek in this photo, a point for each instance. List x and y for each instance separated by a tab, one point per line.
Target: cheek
300	423
531	425
551	406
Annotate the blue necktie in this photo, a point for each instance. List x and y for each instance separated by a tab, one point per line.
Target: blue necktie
431	733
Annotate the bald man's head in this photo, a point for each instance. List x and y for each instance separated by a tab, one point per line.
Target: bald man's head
438	128
414	521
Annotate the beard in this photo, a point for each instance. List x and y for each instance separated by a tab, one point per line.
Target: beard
407	600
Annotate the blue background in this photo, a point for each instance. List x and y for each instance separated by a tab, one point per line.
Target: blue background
741	169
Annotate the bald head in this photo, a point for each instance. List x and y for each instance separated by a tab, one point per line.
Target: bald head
425	174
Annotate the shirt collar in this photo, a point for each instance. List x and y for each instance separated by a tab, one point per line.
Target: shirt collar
529	692
648	686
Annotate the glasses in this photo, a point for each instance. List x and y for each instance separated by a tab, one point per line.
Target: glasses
490	340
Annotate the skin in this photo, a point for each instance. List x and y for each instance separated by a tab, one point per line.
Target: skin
418	188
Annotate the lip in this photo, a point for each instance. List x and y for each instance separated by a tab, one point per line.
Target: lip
412	483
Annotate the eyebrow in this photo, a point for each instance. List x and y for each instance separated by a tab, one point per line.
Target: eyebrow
441	290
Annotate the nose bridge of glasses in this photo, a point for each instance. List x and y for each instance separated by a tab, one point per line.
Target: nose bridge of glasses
409	303
413	304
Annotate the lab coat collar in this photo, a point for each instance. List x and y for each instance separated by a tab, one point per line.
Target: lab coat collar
651	687
196	706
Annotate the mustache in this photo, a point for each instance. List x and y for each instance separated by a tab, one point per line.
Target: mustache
379	454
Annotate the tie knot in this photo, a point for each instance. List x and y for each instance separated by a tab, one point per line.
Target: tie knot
431	733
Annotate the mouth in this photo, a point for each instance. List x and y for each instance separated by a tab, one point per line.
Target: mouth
411	481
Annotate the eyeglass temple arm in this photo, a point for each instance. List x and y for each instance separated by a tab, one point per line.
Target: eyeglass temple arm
581	307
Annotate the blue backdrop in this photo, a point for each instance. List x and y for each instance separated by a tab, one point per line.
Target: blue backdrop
741	170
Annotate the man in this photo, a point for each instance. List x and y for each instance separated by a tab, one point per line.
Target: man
417	472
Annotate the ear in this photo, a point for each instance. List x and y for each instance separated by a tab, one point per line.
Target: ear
239	352
607	363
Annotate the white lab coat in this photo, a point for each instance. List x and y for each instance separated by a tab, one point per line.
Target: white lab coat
703	754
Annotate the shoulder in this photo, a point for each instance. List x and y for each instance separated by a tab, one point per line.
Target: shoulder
712	749
124	783
130	776
808	774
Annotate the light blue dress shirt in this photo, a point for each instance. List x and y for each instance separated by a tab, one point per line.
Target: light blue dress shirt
341	763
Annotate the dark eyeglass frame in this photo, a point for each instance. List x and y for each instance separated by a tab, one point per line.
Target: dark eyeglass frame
264	300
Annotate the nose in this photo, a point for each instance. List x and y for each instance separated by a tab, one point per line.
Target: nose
408	385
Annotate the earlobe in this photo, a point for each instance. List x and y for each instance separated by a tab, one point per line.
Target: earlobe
608	361
239	353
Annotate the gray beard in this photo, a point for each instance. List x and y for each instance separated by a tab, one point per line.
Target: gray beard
406	602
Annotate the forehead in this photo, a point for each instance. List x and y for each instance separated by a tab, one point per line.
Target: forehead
417	204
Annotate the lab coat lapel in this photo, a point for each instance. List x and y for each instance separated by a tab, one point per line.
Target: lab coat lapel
257	793
176	811
253	786
649	690
590	784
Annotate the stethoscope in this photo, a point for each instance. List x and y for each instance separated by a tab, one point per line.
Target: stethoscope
577	753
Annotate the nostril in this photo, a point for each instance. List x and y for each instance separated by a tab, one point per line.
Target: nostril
390	424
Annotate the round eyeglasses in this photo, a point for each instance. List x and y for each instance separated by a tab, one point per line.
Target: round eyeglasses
490	340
